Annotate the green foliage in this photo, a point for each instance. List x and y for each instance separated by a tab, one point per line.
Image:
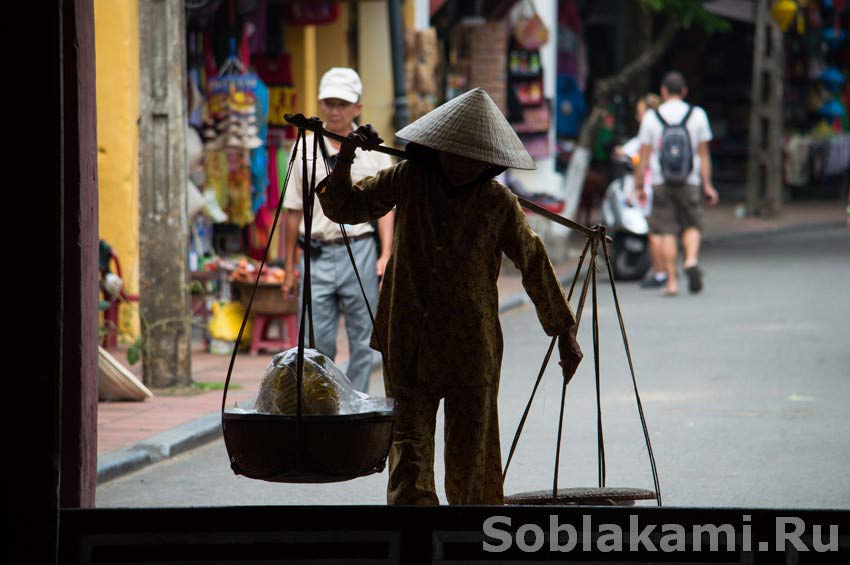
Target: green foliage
205	386
688	13
139	348
134	352
195	287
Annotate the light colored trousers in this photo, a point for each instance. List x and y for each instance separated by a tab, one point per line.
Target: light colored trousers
335	292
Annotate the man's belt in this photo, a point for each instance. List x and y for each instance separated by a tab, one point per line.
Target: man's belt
339	240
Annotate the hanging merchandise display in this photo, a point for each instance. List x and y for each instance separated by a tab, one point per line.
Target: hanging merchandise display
571	107
817	144
234	126
232	113
259	155
316	12
260	231
832	79
785	12
276	72
528	110
529	31
834	37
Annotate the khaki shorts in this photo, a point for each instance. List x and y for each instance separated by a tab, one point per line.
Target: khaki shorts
675	208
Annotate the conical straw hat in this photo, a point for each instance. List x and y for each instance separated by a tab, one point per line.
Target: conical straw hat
470	125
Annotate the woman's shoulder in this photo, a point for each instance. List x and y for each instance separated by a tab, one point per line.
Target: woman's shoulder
499	193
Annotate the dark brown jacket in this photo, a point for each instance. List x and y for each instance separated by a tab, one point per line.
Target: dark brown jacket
438	312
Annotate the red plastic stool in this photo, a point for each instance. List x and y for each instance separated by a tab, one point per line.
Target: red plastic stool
286	324
110	315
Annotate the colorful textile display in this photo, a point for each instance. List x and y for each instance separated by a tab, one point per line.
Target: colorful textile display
235	123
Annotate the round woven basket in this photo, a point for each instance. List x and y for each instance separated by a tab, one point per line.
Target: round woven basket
333	448
268	300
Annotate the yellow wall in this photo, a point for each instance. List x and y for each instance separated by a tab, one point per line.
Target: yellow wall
300	43
408	14
315	49
117	83
375	67
332	43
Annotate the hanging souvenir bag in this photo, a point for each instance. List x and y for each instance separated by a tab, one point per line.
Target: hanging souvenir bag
529	31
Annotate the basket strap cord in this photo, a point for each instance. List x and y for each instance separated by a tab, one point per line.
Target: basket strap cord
600	441
347	241
579	313
312	205
634	379
257	281
543	367
306	306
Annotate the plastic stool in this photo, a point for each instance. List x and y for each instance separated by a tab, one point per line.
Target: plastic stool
259	334
110	314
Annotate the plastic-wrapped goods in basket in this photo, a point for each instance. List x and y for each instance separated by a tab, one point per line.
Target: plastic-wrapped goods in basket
325	389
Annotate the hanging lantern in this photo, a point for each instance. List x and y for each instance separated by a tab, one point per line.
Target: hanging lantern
832	79
831	110
833	113
834	37
783	12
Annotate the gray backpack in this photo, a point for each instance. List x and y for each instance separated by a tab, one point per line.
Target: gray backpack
676	155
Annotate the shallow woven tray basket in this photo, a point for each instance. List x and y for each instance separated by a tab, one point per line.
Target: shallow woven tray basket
585	496
268	300
333	448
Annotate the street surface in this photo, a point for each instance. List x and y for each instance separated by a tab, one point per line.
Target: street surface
745	387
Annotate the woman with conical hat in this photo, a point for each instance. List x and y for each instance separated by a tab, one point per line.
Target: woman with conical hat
438	312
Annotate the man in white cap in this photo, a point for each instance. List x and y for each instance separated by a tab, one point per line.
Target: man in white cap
438	315
334	286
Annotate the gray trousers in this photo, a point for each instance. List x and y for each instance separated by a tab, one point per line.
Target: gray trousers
335	292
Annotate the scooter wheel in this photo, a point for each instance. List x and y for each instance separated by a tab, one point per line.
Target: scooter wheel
630	258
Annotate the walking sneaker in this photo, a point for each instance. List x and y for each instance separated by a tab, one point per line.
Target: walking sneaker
694	278
653	281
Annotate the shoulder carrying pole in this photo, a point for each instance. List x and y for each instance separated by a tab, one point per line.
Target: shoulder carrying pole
595	238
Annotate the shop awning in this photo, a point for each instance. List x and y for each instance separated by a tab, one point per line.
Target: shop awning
741	10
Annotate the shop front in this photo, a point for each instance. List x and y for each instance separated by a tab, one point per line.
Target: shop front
247	64
816	141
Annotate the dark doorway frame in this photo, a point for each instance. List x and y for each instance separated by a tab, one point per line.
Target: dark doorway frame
62	470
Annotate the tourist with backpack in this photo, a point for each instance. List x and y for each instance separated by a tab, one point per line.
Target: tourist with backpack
674	142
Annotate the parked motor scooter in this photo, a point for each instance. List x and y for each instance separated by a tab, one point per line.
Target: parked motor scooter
627	225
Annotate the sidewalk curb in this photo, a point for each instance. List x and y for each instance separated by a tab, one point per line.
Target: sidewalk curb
161	446
117	463
799	228
208	428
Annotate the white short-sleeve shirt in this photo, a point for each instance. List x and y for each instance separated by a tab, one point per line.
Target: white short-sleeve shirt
673	111
366	163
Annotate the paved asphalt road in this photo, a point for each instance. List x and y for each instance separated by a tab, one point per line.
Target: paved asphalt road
746	390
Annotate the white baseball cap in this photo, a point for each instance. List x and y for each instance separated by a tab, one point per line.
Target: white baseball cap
342	83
